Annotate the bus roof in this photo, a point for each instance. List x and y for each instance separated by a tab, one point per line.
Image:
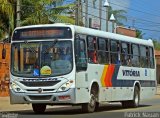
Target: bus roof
94	32
109	35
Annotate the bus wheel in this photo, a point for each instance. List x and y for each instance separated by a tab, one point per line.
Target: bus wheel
92	105
135	102
39	108
136	97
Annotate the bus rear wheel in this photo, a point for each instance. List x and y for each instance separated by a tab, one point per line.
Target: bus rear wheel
39	108
93	104
135	102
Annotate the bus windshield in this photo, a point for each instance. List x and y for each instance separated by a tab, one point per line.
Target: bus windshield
49	58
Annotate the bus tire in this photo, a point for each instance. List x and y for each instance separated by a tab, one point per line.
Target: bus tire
135	102
93	104
39	108
136	98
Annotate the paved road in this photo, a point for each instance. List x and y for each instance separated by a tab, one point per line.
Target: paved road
113	110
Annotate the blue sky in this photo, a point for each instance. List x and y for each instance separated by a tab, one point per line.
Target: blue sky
141	14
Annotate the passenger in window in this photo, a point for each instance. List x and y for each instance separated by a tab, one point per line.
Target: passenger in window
118	62
128	62
125	57
66	54
82	56
56	55
92	56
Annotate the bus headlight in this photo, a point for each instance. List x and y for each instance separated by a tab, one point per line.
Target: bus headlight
65	87
16	88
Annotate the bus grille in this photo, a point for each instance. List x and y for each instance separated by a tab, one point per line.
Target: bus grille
48	97
40	84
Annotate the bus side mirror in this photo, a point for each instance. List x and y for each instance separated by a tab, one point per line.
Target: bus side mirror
3	53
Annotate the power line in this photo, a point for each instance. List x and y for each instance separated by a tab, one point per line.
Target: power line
141	3
127	15
134	9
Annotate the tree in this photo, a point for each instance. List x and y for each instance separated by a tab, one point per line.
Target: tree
33	12
156	44
139	34
7	11
118	14
45	11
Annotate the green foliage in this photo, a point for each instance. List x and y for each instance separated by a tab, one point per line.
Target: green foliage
139	34
33	12
62	14
118	14
156	44
45	11
6	17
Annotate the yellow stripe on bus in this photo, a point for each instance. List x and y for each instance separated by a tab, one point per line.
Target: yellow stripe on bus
103	75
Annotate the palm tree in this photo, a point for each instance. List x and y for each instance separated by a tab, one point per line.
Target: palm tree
139	34
33	12
118	14
6	17
45	11
4	24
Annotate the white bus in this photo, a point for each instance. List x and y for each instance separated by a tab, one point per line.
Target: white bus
67	64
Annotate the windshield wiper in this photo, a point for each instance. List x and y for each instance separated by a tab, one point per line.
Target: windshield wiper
30	48
53	44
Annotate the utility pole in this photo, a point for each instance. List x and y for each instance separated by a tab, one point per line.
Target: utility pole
100	13
112	19
106	4
77	12
86	13
18	11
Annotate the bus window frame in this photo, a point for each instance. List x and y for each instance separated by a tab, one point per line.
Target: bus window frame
94	50
106	51
135	55
153	58
118	51
78	38
128	60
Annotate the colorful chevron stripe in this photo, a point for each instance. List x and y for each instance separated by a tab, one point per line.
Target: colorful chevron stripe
109	78
108	74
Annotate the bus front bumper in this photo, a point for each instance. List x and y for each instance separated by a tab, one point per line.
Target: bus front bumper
67	97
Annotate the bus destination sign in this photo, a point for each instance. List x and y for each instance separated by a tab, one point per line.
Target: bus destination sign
42	33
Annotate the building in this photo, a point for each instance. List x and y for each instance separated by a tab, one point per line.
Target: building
126	31
157	55
93	15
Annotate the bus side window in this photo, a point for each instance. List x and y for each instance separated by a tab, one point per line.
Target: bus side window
125	54
135	55
103	54
151	57
143	57
92	53
114	52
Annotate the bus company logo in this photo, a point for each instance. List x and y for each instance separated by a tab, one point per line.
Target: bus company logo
131	73
39	90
